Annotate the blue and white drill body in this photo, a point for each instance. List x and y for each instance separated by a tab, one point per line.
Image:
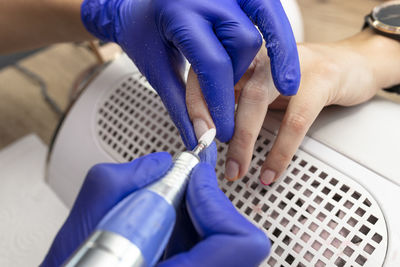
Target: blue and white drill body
136	231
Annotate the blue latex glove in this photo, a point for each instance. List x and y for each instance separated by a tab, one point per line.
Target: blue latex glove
226	237
214	216
217	37
104	186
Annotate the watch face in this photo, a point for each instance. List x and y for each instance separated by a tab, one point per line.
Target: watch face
388	13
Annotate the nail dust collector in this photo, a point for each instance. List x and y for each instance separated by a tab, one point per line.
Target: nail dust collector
336	205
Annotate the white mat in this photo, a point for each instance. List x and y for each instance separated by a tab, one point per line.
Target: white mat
30	213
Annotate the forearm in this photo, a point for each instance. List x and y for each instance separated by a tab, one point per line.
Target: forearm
382	53
28	24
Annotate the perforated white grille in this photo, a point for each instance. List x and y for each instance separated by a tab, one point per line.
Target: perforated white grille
314	216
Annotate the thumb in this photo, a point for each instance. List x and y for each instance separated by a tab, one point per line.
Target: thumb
211	211
228	238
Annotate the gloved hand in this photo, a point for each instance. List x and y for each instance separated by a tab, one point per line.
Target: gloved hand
104	186
217	37
107	184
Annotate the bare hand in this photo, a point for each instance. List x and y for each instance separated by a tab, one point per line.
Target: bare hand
345	73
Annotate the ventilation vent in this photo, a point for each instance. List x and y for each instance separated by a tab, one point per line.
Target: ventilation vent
314	216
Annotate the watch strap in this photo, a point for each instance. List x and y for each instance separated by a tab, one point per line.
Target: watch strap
394	89
366	23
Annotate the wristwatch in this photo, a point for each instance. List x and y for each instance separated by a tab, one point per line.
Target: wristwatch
385	20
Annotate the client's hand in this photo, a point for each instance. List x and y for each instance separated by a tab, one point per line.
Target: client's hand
254	92
344	73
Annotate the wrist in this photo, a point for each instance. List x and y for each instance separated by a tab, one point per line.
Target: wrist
382	54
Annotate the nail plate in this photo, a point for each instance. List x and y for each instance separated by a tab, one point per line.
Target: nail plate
200	127
267	177
231	170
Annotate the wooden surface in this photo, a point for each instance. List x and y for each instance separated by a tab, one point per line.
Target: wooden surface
22	109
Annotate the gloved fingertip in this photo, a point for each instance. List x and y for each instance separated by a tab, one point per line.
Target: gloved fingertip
209	155
188	137
163	160
258	244
287	81
147	168
225	132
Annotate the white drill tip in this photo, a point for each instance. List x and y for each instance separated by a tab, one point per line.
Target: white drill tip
208	137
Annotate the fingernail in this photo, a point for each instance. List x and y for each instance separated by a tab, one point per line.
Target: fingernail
267	177
200	127
231	170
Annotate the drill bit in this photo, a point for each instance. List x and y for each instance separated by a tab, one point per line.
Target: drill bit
204	141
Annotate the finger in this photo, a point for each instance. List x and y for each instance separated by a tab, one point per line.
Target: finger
204	198
242	41
184	236
197	107
228	238
163	69
271	19
167	79
242	82
209	155
280	103
254	99
213	67
200	116
173	98
240	38
300	114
